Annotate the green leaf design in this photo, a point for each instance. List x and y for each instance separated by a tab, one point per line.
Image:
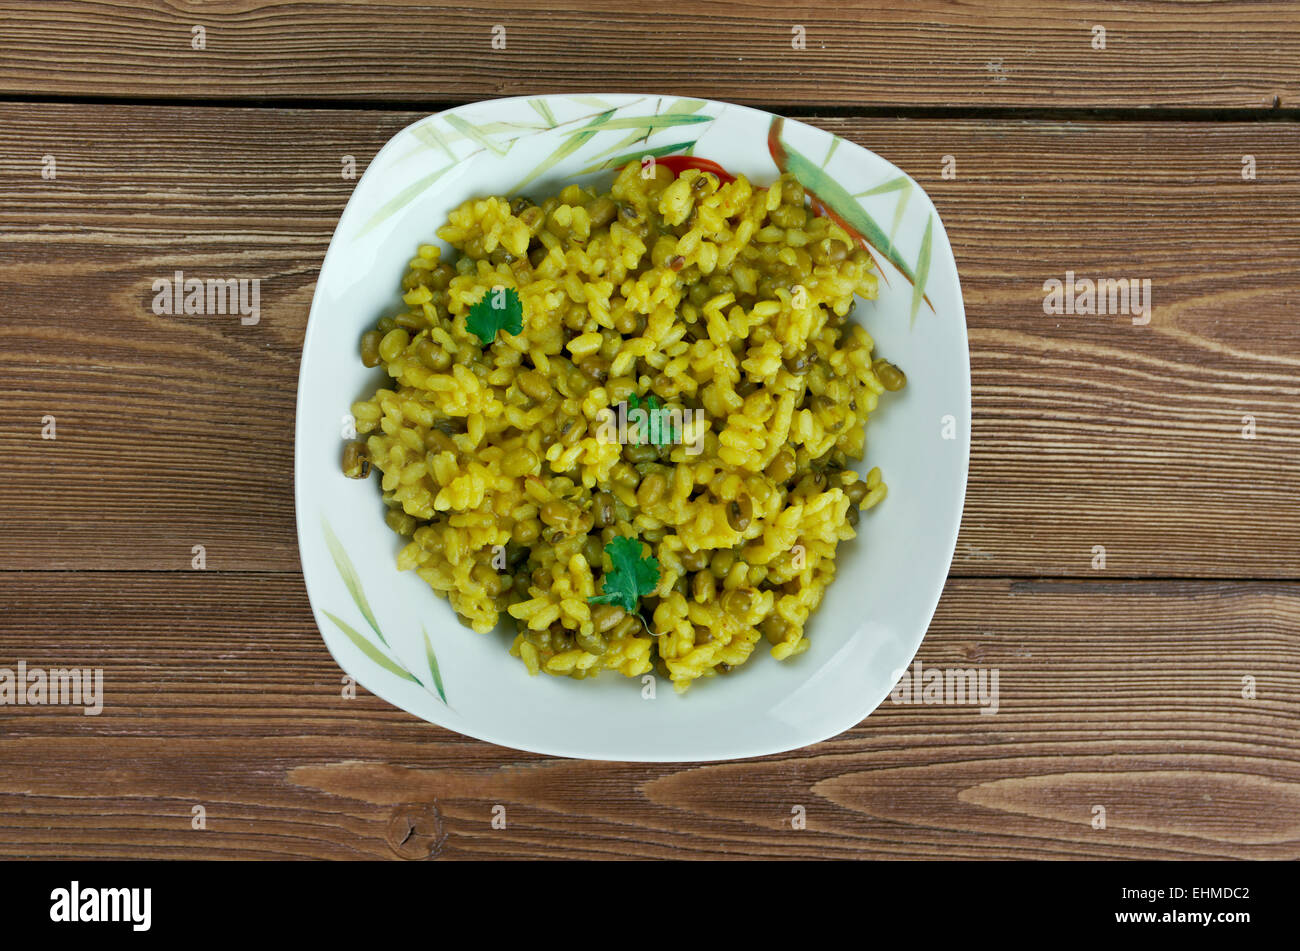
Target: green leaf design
503	127
401	199
835	144
898	215
903	185
603	123
679	113
895	184
391	664
899	183
371	651
831	194
842	207
636	135
432	658
683	106
350	579
429	135
471	132
652	122
572	142
543	109
922	267
619	161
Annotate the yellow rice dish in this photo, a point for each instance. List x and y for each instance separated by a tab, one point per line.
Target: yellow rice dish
515	456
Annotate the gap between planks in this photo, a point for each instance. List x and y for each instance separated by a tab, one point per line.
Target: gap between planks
1171	114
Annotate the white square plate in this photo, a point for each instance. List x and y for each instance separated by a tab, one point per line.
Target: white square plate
402	642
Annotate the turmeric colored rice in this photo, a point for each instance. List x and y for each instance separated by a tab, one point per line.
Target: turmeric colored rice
726	301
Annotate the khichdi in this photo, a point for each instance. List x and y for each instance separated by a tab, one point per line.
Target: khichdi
625	419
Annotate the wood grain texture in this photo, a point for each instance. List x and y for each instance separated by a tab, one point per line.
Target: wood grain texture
1124	688
177	431
219	692
933	53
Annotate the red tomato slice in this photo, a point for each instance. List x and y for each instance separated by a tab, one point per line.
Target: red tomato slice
680	163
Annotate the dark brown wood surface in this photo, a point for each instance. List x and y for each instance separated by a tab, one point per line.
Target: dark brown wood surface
931	53
1124	687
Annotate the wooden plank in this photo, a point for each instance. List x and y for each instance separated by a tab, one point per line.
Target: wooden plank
219	692
1088	431
1240	55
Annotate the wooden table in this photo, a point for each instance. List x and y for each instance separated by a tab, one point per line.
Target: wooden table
1162	686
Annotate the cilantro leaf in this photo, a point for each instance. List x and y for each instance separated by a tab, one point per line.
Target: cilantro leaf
631	578
499	309
657	429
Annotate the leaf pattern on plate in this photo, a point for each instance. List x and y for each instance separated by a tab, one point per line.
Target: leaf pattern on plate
428	133
619	161
394	204
371	651
434	670
829	197
543	110
681	112
471	131
650	122
679	107
835	144
571	144
499	137
899	183
922	267
352	582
